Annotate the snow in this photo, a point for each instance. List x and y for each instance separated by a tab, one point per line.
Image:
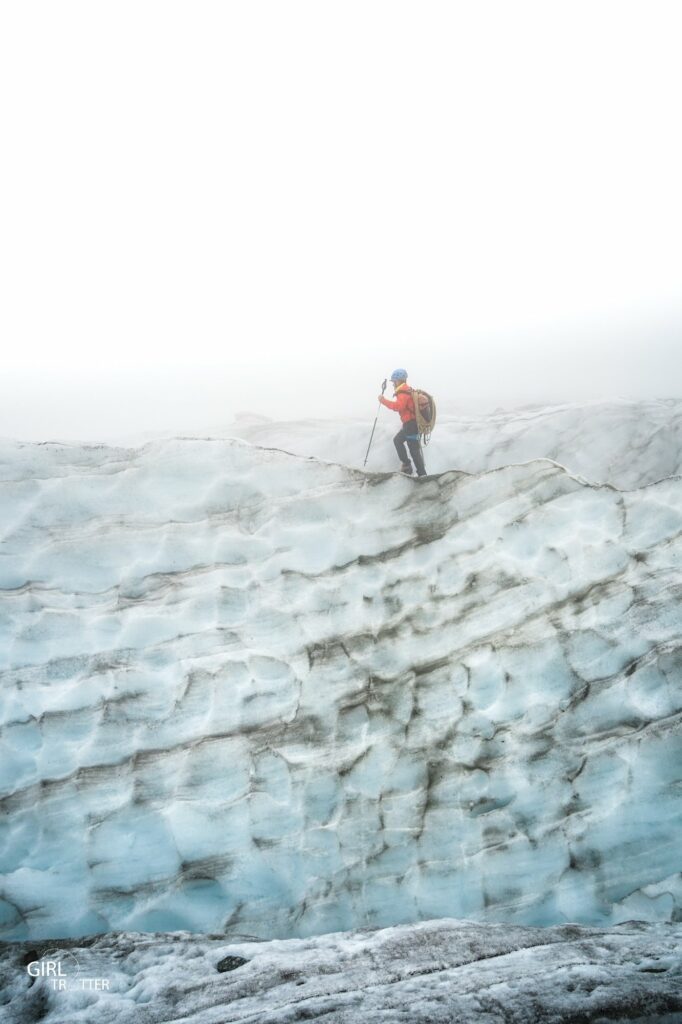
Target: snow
434	971
246	691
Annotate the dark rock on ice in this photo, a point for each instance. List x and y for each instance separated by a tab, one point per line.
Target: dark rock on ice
230	963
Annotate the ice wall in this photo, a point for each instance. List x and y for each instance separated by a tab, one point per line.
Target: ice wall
244	690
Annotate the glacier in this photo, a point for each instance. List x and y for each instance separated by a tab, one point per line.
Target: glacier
433	972
250	692
624	442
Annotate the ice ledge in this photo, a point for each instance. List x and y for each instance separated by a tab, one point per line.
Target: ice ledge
13	452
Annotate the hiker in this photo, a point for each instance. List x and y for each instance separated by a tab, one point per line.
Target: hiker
404	404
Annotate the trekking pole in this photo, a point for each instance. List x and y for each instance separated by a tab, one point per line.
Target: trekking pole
383	388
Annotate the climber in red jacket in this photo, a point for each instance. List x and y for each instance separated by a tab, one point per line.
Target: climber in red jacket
404	404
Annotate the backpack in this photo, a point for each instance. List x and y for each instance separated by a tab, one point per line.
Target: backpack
424	413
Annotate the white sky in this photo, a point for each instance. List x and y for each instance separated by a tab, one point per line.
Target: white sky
207	207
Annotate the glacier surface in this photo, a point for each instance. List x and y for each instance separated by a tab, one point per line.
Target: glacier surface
433	972
248	692
626	443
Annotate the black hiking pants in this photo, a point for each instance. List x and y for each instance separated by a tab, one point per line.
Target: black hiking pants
410	434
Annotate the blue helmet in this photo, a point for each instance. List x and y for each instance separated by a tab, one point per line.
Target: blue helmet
399	375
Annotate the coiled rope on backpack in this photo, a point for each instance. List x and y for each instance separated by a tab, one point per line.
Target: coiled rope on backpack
425	414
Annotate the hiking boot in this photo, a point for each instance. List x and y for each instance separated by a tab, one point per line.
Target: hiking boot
406	468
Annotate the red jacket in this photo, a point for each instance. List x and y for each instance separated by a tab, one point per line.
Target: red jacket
404	403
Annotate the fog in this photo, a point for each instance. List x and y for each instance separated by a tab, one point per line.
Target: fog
216	208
